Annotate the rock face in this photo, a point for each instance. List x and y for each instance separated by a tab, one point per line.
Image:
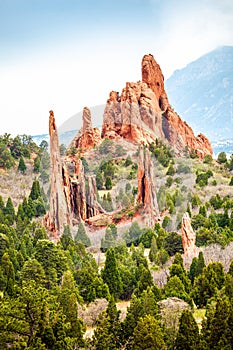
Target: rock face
142	113
71	200
133	115
188	237
59	214
87	136
146	188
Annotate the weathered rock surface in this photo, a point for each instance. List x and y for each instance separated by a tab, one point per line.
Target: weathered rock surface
71	200
146	188
81	191
87	137
59	214
142	113
188	237
133	115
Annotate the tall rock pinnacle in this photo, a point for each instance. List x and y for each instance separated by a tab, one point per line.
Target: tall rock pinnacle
146	187
59	215
153	77
188	237
87	137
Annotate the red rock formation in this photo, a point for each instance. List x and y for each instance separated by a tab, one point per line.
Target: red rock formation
59	214
87	137
133	115
70	199
146	188
142	113
188	237
179	134
81	198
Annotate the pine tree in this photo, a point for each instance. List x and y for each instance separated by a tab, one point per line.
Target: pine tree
148	335
110	274
215	330
22	166
188	334
35	190
153	250
9	211
108	240
81	236
108	183
8	273
37	163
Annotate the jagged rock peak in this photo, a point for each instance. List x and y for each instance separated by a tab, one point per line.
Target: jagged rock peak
87	137
188	237
152	75
87	122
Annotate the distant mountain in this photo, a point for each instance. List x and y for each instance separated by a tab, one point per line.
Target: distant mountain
202	93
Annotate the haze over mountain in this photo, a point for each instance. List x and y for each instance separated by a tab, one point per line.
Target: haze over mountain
202	93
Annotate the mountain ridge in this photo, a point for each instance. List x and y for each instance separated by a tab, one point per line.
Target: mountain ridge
203	90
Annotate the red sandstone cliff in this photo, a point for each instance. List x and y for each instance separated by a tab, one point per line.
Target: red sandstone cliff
142	113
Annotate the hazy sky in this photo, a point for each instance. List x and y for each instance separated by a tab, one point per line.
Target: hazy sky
67	54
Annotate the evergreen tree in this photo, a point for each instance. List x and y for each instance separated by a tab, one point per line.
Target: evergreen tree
108	183
188	333
99	180
208	283
22	166
35	190
9	211
81	236
66	238
1	203
175	288
216	332
32	270
37	163
231	181
108	240
103	338
68	298
145	280
110	274
153	250
8	274
148	335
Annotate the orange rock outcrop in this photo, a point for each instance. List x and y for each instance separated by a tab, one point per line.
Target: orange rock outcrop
188	237
142	113
87	137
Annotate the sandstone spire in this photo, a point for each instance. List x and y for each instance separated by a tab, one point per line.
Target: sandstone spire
188	237
146	187
58	215
87	137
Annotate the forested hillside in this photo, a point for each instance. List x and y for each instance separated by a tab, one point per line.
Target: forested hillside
73	294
